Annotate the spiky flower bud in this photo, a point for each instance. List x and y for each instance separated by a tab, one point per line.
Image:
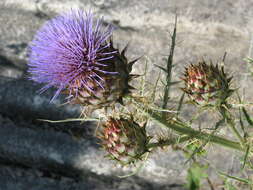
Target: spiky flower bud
124	140
73	53
206	83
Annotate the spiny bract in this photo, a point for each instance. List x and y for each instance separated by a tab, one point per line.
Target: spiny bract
206	83
74	53
124	140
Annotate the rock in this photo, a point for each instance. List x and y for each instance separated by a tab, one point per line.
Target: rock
10	72
21	97
16	34
206	29
21	178
59	153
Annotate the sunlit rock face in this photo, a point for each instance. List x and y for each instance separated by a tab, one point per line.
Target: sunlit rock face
206	29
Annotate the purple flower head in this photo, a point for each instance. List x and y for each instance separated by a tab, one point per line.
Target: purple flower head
69	52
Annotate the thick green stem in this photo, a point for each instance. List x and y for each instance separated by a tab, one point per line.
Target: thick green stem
230	121
169	142
180	128
235	131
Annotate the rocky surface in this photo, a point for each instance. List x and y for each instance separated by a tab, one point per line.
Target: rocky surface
38	155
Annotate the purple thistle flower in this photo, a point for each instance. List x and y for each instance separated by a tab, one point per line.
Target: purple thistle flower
70	52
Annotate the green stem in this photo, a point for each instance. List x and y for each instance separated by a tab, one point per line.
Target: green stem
230	121
169	142
180	128
235	131
169	68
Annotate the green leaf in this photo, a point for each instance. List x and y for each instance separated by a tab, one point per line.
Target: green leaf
69	120
249	120
219	123
163	83
243	180
180	103
249	60
240	115
246	155
229	186
182	128
155	87
196	149
160	67
138	169
241	121
169	68
174	83
194	176
199	149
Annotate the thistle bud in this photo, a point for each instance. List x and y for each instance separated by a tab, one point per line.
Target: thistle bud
206	83
124	140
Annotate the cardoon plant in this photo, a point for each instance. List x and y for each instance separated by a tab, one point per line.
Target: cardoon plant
74	53
124	140
206	83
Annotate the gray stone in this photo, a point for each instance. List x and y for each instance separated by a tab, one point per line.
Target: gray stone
21	98
8	71
16	34
60	154
13	178
206	29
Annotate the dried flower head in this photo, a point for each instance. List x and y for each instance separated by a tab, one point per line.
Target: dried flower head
124	140
73	53
206	83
